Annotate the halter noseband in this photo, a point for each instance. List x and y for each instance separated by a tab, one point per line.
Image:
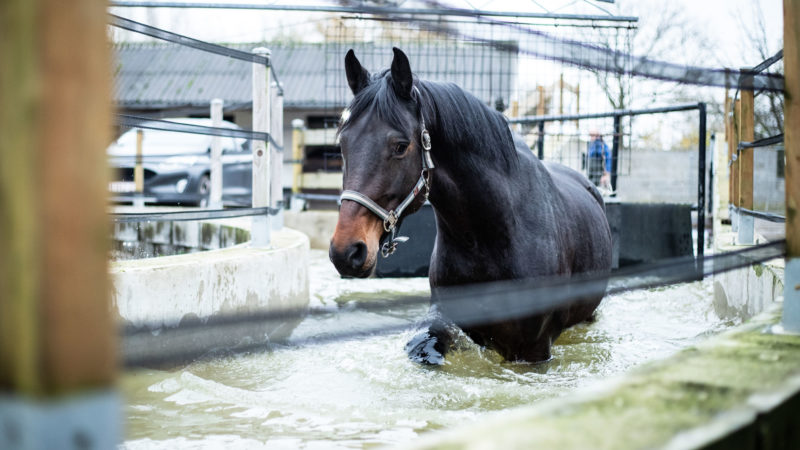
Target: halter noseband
390	218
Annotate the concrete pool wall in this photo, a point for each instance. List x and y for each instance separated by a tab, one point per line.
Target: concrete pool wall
168	290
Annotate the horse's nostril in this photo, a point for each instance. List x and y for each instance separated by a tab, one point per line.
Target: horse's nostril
357	255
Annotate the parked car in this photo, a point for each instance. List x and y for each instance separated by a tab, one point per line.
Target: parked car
177	167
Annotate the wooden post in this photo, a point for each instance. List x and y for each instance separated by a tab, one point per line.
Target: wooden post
138	170
215	197
540	107
56	329
57	334
297	155
260	231
791	142
734	171
729	141
276	155
746	134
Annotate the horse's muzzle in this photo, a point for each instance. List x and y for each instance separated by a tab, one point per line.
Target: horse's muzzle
354	245
352	260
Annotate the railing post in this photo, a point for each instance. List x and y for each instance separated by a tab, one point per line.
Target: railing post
276	154
616	143
297	155
746	233
138	171
701	182
791	142
260	230
215	197
734	168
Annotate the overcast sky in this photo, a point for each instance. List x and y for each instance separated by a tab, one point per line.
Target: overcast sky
720	19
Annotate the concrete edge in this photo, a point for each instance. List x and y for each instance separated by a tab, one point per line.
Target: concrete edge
166	290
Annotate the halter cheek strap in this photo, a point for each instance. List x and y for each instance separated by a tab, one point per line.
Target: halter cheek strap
390	218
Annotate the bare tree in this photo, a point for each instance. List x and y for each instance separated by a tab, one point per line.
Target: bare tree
757	45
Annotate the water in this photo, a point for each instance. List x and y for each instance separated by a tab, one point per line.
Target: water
365	392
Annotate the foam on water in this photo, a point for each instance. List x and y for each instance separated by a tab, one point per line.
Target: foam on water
365	391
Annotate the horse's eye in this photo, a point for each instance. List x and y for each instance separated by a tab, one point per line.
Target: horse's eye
399	149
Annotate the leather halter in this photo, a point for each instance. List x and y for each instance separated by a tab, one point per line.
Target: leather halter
390	218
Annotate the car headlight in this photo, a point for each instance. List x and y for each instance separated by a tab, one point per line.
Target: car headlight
180	186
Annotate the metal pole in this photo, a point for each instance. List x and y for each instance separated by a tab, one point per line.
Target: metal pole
701	185
540	142
276	156
215	199
711	165
616	141
260	230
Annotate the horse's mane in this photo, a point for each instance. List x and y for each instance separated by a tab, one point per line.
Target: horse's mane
454	116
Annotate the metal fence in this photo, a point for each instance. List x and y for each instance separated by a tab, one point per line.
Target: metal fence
262	153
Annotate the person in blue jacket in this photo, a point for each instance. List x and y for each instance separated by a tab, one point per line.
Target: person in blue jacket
598	164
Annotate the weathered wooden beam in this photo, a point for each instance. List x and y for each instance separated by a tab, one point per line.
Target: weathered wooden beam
20	271
791	143
78	331
745	231
791	135
746	134
56	328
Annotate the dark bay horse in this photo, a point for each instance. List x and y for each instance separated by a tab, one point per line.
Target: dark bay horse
501	214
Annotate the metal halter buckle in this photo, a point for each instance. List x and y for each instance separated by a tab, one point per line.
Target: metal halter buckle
426	139
390	221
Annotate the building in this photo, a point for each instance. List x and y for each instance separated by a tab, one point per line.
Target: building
164	80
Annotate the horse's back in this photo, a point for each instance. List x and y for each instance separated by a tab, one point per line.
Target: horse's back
584	210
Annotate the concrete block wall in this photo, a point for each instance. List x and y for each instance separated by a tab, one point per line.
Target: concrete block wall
154	239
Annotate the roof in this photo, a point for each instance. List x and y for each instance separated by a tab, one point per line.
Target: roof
165	76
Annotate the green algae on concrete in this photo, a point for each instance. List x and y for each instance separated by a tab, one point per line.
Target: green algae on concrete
703	397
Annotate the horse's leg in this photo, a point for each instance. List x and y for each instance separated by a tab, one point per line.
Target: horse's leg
434	338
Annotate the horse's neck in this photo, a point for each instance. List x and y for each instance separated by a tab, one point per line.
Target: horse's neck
474	201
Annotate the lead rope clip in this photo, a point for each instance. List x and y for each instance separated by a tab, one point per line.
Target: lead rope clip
390	246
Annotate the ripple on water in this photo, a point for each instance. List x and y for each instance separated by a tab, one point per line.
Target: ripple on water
364	391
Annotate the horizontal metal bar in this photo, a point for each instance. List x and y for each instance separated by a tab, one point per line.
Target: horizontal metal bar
320	197
186	41
615	113
771	217
180	216
126	120
765	142
768	62
366	9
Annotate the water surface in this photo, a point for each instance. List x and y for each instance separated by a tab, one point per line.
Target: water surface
364	391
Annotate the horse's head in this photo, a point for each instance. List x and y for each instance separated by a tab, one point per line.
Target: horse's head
382	150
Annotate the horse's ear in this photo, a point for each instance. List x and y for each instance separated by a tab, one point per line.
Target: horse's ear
357	76
401	74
